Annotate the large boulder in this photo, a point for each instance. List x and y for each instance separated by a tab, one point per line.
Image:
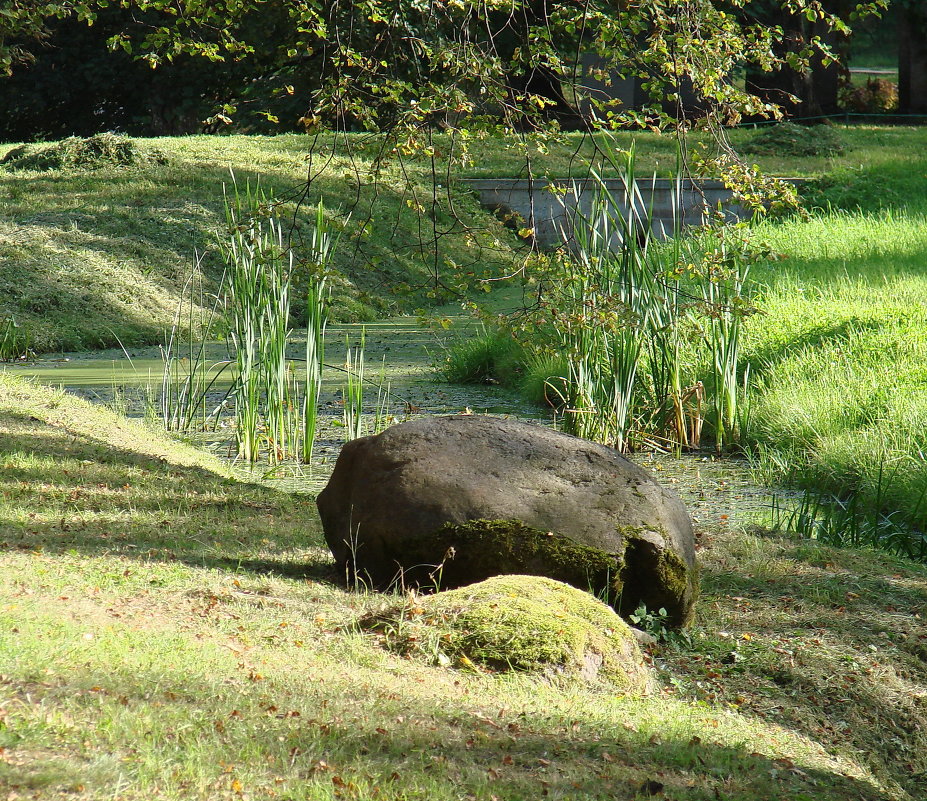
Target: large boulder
444	502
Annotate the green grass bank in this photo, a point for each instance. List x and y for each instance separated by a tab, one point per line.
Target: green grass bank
167	632
97	253
839	351
838	355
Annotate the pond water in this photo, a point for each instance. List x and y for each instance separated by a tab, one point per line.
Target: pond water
400	353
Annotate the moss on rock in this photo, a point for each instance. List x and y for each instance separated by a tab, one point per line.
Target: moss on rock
646	572
478	549
660	579
515	622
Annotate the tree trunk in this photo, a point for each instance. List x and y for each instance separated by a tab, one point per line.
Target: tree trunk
912	59
808	93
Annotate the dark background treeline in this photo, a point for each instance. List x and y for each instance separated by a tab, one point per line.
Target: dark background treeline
78	85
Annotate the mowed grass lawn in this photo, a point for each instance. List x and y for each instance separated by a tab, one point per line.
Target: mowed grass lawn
91	257
168	632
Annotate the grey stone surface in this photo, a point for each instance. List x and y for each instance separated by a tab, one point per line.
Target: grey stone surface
553	209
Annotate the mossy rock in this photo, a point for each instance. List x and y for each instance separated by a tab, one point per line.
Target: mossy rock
93	152
456	500
521	623
478	549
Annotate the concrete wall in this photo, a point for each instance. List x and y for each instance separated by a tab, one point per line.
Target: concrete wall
551	208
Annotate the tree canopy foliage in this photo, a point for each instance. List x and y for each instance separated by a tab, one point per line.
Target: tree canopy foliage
404	64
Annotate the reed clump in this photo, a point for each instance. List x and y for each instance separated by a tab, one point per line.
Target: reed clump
272	404
636	339
15	342
276	413
189	377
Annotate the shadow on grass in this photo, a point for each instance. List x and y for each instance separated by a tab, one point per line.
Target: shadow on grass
827	642
407	742
67	491
813	619
568	759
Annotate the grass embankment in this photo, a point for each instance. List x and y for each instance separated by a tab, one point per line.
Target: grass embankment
865	149
93	256
90	256
166	632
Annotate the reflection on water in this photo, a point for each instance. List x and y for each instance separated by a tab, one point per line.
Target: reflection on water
716	491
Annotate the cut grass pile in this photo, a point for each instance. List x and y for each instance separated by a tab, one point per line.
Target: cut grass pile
789	139
100	150
166	632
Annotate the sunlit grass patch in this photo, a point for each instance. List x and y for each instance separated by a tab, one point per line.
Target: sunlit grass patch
840	353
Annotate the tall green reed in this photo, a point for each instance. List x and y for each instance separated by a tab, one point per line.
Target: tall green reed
275	413
614	309
322	248
188	376
353	419
353	415
14	340
316	321
257	303
589	322
626	306
381	414
724	274
674	396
